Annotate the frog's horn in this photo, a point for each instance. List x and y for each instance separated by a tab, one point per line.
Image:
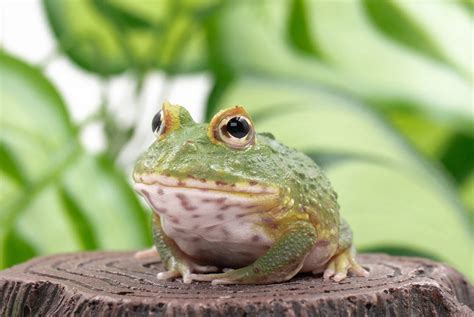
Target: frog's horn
174	117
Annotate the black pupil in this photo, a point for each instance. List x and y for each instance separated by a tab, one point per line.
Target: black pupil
238	127
156	122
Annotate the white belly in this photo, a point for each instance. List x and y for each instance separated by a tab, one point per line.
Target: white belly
231	244
217	228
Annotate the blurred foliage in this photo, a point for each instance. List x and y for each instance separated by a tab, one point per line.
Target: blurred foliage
108	37
380	93
54	196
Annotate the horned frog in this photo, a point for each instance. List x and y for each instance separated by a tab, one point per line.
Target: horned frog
227	198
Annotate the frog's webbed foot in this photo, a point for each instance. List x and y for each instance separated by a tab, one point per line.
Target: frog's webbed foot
146	254
339	266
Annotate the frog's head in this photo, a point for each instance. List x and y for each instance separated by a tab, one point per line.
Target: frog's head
224	163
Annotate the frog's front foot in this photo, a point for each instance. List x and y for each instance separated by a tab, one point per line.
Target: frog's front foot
185	270
339	266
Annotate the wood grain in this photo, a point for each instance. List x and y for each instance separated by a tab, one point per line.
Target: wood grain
115	284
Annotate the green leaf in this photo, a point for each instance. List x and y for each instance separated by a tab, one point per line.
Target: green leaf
440	142
429	136
389	195
391	18
9	166
138	14
115	215
55	197
109	37
180	41
467	193
458	157
298	29
444	28
354	58
468	6
17	248
400	251
83	228
87	37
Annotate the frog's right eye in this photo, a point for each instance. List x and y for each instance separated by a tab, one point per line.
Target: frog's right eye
157	124
236	131
233	127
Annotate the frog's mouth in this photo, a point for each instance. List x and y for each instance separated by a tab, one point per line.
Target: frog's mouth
246	187
189	201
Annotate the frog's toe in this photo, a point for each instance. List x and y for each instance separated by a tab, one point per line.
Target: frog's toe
328	273
146	254
357	269
341	264
187	278
340	276
204	268
222	281
330	270
168	275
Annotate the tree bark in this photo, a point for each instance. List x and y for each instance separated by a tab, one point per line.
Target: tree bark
115	284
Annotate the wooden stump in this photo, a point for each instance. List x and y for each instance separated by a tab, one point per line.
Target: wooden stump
115	284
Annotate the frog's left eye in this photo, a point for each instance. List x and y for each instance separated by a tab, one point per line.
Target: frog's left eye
157	124
236	131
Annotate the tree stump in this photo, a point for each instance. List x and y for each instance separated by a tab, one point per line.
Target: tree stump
116	284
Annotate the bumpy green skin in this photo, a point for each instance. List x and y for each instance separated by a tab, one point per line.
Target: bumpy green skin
189	152
308	205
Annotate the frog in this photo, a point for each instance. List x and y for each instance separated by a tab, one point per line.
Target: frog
233	206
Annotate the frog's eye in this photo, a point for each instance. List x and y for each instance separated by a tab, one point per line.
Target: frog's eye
238	127
233	127
170	118
157	124
236	131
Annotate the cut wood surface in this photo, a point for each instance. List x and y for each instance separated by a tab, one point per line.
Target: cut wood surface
116	284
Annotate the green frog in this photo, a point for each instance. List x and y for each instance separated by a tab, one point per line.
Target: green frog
233	206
